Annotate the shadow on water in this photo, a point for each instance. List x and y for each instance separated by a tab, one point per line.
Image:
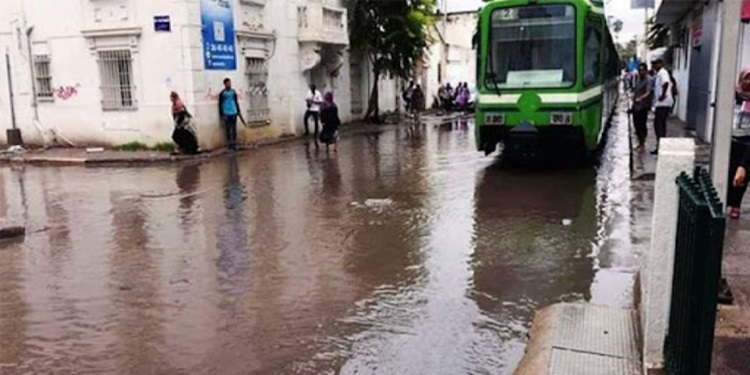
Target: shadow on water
533	234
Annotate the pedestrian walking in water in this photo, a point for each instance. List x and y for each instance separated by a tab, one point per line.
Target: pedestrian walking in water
229	111
641	105
184	134
406	95
417	102
313	100
664	101
329	116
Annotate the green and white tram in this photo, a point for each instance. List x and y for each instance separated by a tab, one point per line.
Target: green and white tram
547	74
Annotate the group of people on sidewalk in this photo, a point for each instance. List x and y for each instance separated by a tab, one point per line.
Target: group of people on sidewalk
652	90
657	90
318	107
450	99
185	134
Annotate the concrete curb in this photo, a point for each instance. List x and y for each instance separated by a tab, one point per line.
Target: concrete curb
157	158
583	339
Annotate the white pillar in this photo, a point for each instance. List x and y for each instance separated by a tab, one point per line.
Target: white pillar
725	87
676	155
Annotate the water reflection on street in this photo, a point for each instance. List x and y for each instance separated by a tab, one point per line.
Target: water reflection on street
275	262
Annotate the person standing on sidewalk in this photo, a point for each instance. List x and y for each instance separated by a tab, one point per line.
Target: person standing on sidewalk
229	111
664	102
313	100
641	105
740	186
740	156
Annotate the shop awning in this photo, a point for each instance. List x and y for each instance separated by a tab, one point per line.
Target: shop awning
672	11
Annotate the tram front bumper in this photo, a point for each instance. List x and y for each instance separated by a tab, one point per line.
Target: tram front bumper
553	138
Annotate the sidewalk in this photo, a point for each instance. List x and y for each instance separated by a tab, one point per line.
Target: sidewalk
116	158
731	354
644	164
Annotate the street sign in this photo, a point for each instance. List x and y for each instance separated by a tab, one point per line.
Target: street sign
162	24
696	37
641	4
219	47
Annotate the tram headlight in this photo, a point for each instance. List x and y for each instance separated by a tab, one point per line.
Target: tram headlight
494	118
561	118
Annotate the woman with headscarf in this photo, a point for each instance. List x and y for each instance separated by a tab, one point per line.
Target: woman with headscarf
740	159
329	116
184	134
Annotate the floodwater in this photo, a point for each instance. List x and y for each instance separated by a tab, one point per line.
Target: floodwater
405	254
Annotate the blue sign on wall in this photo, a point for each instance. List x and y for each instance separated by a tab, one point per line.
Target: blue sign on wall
217	19
162	24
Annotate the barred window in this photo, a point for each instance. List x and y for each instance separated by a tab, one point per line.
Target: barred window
43	75
116	72
258	112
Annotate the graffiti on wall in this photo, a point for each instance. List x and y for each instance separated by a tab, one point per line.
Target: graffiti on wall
212	95
67	92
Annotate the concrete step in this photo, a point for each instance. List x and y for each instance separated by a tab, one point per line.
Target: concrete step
583	339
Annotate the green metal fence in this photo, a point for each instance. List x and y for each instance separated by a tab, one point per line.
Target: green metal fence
697	270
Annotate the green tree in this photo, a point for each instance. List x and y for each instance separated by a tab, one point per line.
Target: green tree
393	35
658	34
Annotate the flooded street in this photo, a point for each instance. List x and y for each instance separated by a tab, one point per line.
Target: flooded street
404	254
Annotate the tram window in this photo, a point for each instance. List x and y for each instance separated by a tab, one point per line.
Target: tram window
592	55
532	47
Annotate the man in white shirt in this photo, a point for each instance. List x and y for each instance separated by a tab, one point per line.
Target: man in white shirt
313	99
664	101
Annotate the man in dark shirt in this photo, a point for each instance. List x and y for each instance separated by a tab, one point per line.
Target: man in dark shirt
229	111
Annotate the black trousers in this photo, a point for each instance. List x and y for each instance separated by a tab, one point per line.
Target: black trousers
640	122
660	122
316	118
735	194
230	123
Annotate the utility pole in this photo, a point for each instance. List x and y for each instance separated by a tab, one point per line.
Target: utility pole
444	45
721	144
10	89
645	35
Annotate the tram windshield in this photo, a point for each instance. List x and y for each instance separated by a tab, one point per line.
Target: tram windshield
532	47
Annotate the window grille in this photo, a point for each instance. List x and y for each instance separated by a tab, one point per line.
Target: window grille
256	71
43	75
116	71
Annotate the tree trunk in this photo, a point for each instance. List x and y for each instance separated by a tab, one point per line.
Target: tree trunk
373	105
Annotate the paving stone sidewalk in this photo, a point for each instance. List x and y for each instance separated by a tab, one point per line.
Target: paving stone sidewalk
731	354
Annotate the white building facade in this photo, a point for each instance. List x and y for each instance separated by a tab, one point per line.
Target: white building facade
452	57
99	72
695	37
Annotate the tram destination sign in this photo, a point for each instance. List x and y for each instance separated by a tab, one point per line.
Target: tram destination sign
641	4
